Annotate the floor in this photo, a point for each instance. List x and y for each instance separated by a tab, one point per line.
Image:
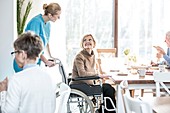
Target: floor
147	93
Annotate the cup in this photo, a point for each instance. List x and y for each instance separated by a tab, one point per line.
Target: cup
141	72
161	68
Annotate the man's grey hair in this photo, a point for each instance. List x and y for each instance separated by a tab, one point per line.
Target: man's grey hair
168	34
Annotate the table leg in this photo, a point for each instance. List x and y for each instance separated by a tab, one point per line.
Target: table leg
132	92
142	92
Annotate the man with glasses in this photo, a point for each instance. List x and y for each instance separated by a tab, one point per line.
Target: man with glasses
161	51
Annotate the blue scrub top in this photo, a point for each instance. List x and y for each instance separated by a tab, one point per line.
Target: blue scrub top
42	29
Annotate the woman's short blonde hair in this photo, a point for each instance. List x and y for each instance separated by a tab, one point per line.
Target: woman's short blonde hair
81	44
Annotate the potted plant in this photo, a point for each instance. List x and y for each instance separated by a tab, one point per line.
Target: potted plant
22	15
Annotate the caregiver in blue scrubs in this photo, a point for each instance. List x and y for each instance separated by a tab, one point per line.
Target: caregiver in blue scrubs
40	24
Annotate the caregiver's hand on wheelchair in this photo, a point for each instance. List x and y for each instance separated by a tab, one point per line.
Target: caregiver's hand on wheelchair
51	62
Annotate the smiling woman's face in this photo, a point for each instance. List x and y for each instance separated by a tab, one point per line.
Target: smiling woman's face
55	17
88	42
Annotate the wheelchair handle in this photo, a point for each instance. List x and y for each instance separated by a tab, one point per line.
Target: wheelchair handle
55	60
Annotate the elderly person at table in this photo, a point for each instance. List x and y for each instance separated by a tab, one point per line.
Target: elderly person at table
161	51
85	65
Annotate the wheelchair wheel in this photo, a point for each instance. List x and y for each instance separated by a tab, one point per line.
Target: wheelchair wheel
79	102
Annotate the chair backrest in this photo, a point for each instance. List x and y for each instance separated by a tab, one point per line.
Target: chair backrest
105	53
62	96
160	79
133	104
111	51
123	89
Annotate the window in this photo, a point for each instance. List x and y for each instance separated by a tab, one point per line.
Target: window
88	16
141	25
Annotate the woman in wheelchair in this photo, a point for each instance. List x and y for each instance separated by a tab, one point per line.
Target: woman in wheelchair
85	65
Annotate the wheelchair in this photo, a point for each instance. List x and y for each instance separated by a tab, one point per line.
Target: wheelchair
84	98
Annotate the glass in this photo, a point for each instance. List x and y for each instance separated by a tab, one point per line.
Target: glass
161	68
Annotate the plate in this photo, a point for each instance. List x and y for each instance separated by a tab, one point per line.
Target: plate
154	68
140	67
122	74
114	70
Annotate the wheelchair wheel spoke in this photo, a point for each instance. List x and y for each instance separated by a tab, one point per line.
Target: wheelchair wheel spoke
79	103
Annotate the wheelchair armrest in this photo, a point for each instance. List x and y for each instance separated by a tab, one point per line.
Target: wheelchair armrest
94	77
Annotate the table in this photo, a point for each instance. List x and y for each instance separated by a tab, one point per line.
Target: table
159	104
135	82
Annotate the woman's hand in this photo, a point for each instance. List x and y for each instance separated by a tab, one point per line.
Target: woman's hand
50	63
4	85
104	76
160	50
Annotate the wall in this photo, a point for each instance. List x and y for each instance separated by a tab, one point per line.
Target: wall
57	39
7	34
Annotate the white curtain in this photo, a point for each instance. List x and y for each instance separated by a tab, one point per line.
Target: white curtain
143	24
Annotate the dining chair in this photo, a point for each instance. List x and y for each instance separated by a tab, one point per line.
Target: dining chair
62	95
106	51
160	79
105	54
123	89
133	105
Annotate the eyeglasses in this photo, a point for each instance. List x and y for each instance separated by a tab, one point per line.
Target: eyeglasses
14	52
